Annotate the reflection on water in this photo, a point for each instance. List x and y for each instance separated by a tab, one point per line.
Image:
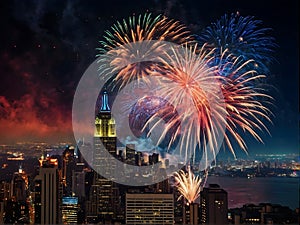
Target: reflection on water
275	190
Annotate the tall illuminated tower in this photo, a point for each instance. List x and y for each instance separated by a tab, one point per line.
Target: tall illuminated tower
104	123
105	137
18	187
104	193
46	202
69	165
214	205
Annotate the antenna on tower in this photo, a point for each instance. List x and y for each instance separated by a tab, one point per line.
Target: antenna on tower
104	105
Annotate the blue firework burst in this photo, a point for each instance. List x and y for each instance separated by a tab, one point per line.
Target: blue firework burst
243	37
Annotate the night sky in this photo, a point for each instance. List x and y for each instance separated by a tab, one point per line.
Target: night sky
47	45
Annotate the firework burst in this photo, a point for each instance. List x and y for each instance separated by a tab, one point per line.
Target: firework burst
243	37
246	103
193	89
188	185
129	62
204	112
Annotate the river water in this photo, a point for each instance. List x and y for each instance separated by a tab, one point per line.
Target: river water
275	190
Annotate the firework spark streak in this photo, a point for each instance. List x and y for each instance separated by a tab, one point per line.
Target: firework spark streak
188	185
245	100
192	87
120	46
241	36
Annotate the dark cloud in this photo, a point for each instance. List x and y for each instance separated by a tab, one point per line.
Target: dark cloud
33	118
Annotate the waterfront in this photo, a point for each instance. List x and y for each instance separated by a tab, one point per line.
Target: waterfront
276	190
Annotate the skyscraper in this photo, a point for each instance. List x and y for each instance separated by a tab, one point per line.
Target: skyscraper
105	138
191	213
214	205
47	193
18	185
78	184
104	195
69	164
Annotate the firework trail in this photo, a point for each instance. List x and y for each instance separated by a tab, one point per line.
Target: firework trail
119	45
242	37
188	185
192	87
243	51
246	102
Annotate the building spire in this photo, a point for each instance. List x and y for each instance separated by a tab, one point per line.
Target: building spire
105	106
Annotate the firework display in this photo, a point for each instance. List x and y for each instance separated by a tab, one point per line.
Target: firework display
242	37
207	91
193	88
188	185
246	104
119	46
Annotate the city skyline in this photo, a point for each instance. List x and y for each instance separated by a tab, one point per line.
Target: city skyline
35	101
76	189
65	186
139	112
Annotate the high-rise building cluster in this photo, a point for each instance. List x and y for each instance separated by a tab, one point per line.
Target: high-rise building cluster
68	190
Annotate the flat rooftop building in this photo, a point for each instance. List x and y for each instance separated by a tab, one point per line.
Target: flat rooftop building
149	209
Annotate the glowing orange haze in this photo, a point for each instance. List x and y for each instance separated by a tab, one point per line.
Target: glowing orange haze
22	120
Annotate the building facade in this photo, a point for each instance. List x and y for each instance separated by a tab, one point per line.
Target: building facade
149	208
47	195
104	195
214	205
70	210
